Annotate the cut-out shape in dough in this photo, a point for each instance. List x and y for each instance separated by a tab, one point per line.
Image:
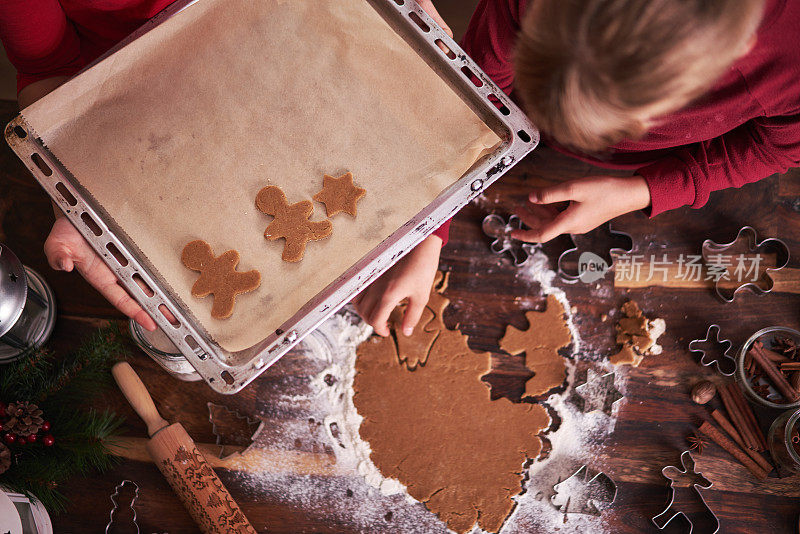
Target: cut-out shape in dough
438	432
218	276
339	195
546	334
291	222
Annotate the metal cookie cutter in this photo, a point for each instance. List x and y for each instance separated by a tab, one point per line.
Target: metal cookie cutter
725	364
498	228
595	246
237	429
112	525
579	494
748	238
599	392
701	515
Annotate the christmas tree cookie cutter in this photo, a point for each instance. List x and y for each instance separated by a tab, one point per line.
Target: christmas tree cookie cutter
580	494
113	523
595	247
748	238
249	429
725	363
700	516
500	229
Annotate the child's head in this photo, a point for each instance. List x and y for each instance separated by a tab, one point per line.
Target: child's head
594	72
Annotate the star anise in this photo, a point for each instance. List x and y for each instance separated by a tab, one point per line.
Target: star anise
786	346
696	442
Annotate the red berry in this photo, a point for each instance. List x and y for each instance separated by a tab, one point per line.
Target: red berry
32	438
48	440
10	438
2	409
46	426
1	427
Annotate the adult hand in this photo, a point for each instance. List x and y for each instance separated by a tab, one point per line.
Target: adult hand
410	278
66	249
592	201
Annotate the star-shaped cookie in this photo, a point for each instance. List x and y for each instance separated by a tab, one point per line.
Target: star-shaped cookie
339	194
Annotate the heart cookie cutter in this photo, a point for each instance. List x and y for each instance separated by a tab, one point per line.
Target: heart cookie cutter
499	229
725	364
582	243
748	235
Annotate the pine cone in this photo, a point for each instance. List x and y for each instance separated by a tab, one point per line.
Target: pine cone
25	418
5	458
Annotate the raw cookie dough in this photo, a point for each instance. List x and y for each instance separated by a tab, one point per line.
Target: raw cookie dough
339	194
637	334
290	222
546	334
218	276
436	430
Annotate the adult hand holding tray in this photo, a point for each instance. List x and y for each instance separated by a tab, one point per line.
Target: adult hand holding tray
169	139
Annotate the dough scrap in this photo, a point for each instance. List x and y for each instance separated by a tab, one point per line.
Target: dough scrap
339	194
436	430
218	276
637	334
546	334
291	222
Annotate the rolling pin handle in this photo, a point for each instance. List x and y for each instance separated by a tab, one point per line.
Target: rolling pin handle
139	398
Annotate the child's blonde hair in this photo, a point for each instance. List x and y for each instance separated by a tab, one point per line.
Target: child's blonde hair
594	72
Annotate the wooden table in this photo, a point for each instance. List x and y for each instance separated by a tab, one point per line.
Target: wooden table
486	296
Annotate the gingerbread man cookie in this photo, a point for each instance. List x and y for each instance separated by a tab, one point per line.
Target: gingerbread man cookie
339	194
218	276
290	222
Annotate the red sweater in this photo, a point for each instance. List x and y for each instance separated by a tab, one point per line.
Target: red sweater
747	127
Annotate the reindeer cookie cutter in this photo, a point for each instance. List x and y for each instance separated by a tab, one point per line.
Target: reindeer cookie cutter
665	518
725	363
499	229
749	237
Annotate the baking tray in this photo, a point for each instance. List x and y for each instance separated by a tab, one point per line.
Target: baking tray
228	372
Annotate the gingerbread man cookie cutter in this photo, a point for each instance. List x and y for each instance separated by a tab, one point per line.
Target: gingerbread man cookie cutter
583	245
747	235
725	363
499	229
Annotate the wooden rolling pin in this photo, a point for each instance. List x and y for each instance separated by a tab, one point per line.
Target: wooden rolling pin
184	467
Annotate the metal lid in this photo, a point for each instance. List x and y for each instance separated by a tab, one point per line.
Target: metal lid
13	289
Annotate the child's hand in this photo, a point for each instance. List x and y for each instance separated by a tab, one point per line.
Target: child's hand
66	249
592	201
427	5
411	278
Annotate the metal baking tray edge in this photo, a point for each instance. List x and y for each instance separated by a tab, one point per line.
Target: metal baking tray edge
212	362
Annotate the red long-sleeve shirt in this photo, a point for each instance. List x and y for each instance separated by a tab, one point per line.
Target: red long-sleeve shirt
747	127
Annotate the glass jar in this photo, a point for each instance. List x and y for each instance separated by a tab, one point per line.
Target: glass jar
158	346
784	441
745	383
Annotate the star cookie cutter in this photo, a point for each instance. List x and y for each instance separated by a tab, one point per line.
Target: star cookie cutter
748	236
698	515
111	526
725	363
584	246
499	229
247	421
579	494
598	392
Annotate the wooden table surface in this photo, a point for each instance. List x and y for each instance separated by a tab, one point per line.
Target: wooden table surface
486	296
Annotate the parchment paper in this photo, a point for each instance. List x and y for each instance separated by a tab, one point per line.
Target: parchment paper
176	133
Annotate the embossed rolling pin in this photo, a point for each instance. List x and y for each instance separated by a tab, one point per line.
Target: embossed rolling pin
186	470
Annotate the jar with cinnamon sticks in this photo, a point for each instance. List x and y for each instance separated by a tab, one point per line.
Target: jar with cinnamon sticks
768	368
784	441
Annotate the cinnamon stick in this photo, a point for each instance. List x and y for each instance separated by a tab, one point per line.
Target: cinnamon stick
790	366
794	380
715	435
772	372
750	417
738	419
771	354
728	427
